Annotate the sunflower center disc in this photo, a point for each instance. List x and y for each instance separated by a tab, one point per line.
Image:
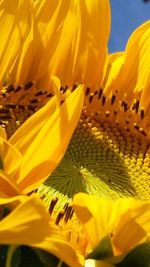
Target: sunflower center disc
103	160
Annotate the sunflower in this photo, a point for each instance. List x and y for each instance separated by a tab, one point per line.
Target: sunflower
108	154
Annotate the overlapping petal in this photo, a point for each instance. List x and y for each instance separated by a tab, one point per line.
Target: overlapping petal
15	20
137	60
37	147
137	219
128	75
47	149
10	157
67	39
29	224
116	218
58	39
134	70
26	134
8	187
115	64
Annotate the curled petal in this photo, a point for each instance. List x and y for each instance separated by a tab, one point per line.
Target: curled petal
59	45
28	224
44	146
8	187
10	158
14	24
136	70
116	218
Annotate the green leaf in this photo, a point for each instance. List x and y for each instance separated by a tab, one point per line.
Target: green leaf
16	259
3	254
25	256
29	258
49	260
137	257
103	250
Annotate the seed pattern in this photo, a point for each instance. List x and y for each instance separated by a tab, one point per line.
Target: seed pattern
110	106
109	153
102	160
107	139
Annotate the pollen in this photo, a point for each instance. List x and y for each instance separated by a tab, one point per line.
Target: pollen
18	103
70	226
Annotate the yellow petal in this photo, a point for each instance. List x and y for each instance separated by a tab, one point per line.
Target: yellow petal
3	133
141	213
82	51
137	59
112	76
57	245
10	157
93	215
17	225
133	227
96	263
25	135
143	47
8	187
99	216
34	46
62	44
28	224
56	85
12	202
14	25
48	147
21	69
126	220
145	103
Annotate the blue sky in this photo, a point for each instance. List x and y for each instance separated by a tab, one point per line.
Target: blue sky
127	15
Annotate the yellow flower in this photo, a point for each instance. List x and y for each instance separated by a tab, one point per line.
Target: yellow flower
124	221
108	154
28	223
